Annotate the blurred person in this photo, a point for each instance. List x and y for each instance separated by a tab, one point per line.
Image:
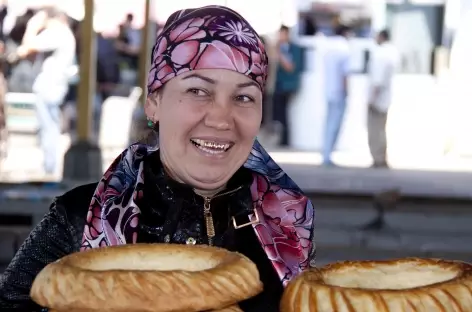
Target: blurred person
382	67
108	71
129	42
108	67
21	72
3	86
127	25
289	59
3	15
307	25
107	74
17	32
19	28
202	164
69	107
336	71
3	116
48	33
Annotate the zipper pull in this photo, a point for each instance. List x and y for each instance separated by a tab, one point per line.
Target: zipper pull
210	228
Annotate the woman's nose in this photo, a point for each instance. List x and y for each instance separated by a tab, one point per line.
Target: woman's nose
219	117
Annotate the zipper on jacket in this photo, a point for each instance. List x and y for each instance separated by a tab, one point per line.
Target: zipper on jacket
208	216
210	227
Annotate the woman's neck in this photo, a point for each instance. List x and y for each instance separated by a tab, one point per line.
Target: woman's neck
209	193
203	193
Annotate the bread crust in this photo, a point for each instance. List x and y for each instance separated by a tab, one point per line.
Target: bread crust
312	291
147	278
233	308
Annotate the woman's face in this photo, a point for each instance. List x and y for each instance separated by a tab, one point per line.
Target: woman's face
208	120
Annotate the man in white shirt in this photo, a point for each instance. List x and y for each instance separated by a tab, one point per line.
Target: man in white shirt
49	35
336	71
382	67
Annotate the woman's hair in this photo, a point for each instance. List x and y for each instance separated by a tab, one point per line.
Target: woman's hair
147	135
144	133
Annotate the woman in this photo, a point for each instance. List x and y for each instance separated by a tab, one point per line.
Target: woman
203	166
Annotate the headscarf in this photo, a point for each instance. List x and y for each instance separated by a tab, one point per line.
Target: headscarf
212	37
208	37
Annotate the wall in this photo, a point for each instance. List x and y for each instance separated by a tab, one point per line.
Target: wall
415	30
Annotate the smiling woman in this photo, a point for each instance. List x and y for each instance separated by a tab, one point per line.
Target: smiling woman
208	119
202	178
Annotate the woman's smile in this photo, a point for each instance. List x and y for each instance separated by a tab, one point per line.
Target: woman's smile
212	147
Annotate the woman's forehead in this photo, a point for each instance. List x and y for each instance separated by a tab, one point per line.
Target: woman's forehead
217	76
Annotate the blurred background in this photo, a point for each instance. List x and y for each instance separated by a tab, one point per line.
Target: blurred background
418	202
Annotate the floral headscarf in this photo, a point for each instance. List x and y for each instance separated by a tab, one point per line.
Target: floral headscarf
209	37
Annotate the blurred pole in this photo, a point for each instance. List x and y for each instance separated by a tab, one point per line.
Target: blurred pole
83	160
145	51
88	60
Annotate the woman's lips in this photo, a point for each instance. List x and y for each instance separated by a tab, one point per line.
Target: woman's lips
212	145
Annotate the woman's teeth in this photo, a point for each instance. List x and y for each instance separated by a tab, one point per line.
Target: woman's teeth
210	147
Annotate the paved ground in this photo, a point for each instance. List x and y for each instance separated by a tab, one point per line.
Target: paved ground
431	177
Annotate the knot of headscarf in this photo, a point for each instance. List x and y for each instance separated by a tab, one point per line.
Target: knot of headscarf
211	37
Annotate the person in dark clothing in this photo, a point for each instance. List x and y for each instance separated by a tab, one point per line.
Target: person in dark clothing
128	42
3	87
3	15
307	24
201	164
108	67
19	29
288	78
107	71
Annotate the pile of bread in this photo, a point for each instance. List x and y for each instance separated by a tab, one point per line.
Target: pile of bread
171	278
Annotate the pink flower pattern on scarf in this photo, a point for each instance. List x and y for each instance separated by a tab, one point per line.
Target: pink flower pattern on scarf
207	41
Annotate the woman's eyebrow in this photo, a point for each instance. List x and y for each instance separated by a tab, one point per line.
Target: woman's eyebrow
248	84
213	81
209	80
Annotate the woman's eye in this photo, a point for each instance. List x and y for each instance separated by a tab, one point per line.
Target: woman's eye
197	92
244	99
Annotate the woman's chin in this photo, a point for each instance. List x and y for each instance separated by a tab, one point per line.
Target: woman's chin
206	181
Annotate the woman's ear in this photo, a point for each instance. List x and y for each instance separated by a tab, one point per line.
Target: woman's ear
151	107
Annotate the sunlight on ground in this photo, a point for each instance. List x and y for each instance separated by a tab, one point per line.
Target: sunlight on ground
350	159
25	158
